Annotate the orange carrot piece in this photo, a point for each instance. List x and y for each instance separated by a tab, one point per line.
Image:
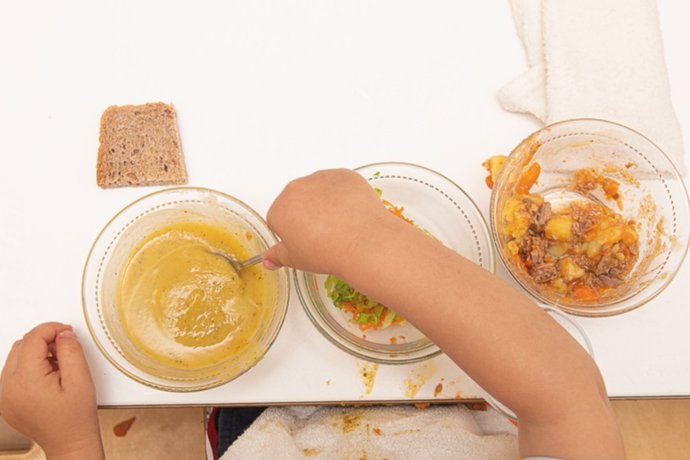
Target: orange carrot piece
610	187
528	178
582	292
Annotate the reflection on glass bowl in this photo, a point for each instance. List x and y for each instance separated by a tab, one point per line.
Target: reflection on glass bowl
436	205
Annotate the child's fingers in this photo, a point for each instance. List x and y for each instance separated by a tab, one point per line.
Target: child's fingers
74	370
276	256
34	349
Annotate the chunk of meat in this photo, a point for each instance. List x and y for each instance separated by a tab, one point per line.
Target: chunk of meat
583	261
584	219
532	250
609	282
610	265
540	218
544	273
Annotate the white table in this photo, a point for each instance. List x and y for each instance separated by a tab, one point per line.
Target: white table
267	91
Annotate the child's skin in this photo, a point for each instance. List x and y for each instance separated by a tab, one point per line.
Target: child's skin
54	407
334	222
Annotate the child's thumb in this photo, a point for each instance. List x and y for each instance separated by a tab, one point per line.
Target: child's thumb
74	370
276	256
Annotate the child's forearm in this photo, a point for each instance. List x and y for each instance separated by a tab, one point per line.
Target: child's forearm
495	333
91	449
489	328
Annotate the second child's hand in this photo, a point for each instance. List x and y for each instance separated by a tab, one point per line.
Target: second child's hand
46	393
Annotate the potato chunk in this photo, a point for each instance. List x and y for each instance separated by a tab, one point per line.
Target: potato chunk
559	227
516	218
570	270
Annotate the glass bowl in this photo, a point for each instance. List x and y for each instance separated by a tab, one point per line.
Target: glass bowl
124	233
651	194
435	204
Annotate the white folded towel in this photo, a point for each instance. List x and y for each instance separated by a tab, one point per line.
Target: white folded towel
595	59
398	432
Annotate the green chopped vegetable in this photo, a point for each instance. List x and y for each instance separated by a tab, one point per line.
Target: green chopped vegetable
365	312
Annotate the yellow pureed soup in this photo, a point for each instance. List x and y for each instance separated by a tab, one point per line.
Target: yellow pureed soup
183	306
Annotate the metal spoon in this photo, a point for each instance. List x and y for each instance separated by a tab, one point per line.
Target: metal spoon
239	265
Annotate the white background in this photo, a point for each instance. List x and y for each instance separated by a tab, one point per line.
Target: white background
266	91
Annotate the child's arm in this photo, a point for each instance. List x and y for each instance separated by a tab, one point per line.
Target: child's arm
46	393
333	222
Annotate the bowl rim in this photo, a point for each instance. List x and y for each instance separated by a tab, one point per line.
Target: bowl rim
435	349
89	326
484	224
574	310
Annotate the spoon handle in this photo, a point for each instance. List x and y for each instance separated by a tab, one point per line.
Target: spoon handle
251	261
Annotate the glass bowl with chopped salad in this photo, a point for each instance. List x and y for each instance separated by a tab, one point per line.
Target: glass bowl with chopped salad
362	326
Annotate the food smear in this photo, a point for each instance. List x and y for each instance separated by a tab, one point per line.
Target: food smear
367	371
187	308
419	375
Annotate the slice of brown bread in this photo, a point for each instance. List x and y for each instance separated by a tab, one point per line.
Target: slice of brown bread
140	145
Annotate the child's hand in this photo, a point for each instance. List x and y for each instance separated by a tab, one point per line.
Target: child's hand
46	393
321	219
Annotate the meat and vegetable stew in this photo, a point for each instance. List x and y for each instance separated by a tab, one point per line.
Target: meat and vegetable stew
578	250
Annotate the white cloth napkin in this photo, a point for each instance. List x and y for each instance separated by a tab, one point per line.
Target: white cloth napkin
398	432
595	59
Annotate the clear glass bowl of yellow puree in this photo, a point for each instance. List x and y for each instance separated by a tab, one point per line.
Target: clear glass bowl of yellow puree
168	312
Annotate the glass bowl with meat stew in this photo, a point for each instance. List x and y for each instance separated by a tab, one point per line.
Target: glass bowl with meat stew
589	216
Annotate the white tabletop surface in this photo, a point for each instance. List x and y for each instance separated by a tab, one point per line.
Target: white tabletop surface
266	91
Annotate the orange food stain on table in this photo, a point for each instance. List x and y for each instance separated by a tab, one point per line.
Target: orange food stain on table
438	390
120	430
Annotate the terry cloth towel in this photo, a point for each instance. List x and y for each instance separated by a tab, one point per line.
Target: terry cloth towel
396	432
595	59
